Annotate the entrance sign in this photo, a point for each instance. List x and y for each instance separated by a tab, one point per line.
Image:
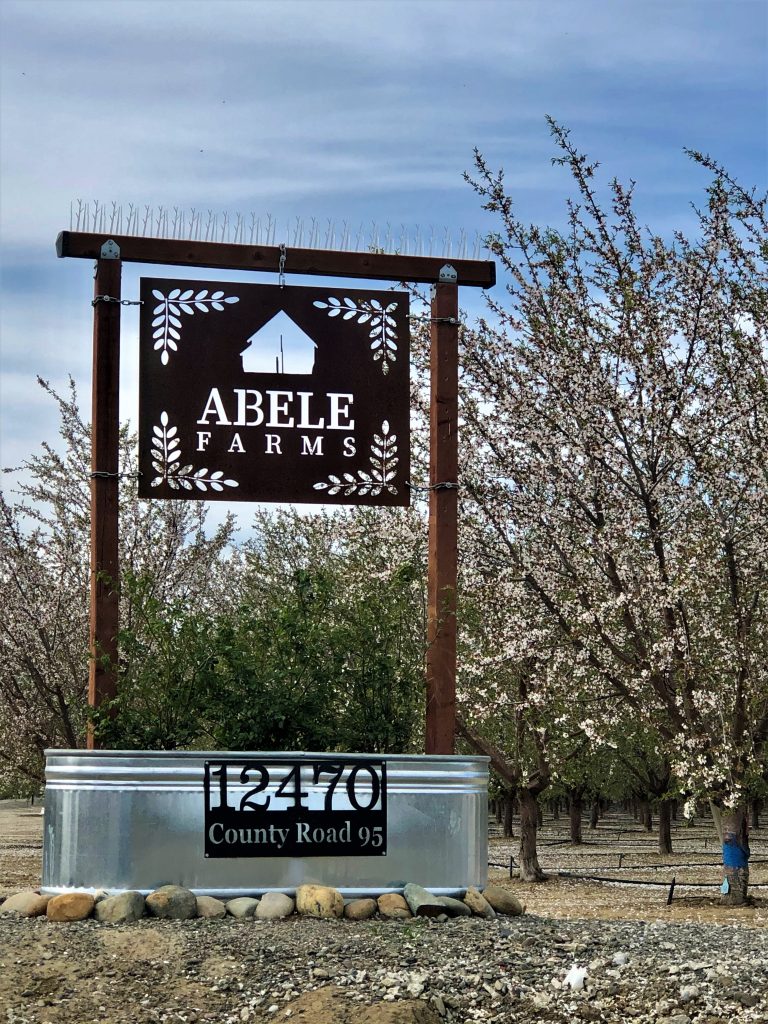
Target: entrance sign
294	807
356	484
253	392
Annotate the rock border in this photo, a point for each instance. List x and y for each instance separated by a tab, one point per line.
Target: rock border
174	902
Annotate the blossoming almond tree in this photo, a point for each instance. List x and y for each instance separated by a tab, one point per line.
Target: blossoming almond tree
616	413
44	576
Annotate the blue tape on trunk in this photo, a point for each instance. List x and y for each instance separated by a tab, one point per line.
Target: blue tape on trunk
735	855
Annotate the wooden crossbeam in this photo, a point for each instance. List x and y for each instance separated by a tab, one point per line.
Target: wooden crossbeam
318	262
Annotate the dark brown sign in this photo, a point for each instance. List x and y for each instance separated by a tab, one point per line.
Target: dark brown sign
267	393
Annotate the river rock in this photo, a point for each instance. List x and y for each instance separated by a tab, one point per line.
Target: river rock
172	903
210	907
360	910
455	908
319	901
421	901
25	904
127	906
747	999
478	904
274	905
70	906
503	901
392	905
242	906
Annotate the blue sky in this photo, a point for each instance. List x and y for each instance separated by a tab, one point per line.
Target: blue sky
363	111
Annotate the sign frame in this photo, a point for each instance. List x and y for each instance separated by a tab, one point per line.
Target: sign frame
109	252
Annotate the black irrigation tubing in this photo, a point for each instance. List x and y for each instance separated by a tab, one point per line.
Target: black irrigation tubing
682	864
642	881
667	864
588	848
610	850
652	840
663	867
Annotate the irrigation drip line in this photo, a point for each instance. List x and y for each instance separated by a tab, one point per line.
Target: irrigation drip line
664	867
610	848
678	864
642	881
652	840
669	886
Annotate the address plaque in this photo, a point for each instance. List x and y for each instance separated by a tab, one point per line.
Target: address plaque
295	807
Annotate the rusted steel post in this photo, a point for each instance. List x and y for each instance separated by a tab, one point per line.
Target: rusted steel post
105	428
443	503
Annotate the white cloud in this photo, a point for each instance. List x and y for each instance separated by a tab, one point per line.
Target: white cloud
351	111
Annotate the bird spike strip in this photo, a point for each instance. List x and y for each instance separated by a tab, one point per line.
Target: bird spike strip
221	226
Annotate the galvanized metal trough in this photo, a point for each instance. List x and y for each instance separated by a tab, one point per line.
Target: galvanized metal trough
241	823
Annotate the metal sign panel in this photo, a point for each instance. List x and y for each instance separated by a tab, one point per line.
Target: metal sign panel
268	393
294	807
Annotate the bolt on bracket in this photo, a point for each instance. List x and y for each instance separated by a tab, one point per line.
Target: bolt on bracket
110	250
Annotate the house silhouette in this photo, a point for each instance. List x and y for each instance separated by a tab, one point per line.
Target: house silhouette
280	346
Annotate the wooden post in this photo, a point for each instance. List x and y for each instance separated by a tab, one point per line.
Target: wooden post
443	520
105	429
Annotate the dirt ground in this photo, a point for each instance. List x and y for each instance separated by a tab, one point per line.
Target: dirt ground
695	866
75	974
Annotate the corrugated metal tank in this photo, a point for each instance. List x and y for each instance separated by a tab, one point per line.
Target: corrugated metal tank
121	820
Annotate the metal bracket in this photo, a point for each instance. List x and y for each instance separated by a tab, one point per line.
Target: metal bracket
447	274
110	250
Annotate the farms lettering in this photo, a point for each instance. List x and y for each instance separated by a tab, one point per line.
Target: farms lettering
246	408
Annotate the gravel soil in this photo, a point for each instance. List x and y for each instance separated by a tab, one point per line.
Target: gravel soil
690	963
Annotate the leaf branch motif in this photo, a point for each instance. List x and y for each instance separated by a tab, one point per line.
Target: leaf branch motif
166	462
381	323
166	316
383	459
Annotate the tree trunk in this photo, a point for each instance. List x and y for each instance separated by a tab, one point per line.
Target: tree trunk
498	809
594	814
555	810
574	812
646	817
735	856
665	826
756	813
539	814
509	812
530	869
